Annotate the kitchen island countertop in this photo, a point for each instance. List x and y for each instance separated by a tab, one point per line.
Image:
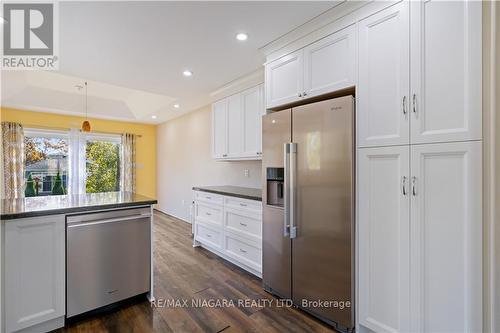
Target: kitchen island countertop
234	191
66	204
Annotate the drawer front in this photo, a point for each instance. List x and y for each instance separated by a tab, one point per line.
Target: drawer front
248	224
209	197
237	203
208	235
244	252
208	213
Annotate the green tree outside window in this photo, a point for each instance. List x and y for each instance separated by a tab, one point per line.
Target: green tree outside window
103	166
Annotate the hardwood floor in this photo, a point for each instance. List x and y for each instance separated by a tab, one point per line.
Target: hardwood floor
196	275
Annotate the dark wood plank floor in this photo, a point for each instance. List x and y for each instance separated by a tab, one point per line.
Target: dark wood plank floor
186	273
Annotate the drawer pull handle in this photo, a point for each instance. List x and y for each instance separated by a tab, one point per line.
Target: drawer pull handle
209	236
243	224
208	213
208	198
242	204
244	251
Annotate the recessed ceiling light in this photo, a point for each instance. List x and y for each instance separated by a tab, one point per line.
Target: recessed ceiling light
187	73
241	36
177	106
154	117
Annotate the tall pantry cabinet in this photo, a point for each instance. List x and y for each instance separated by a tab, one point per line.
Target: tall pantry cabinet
420	168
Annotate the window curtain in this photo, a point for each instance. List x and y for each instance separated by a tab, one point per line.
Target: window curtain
77	162
12	160
128	163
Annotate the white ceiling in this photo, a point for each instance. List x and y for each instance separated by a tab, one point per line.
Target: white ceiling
140	49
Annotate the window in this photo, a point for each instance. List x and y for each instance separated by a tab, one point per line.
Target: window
56	160
102	164
46	163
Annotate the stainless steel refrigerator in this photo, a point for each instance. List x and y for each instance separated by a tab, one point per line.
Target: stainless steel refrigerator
308	214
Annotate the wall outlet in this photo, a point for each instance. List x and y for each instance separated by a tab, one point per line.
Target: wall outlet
247	173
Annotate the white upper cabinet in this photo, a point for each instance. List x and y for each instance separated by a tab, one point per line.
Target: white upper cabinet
237	129
34	271
446	241
384	244
446	71
252	104
329	63
322	67
219	129
234	126
383	79
284	80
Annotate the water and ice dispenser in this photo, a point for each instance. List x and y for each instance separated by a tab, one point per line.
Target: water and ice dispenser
275	187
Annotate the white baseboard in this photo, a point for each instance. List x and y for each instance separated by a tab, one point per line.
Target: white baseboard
170	214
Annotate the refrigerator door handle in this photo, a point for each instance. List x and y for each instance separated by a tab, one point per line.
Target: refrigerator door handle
293	188
286	190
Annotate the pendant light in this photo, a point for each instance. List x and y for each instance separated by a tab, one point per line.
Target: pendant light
86	123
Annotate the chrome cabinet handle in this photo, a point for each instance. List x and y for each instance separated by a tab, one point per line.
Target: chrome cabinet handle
243	204
304	94
414	103
414	185
243	224
209	236
244	251
208	198
224	155
404	105
208	213
300	95
404	185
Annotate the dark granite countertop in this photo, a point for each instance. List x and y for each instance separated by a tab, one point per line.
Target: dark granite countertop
65	204
234	191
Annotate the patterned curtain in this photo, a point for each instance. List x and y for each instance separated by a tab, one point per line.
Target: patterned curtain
12	160
127	175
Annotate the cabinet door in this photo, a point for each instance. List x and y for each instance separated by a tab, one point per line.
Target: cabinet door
446	71
234	126
330	63
284	80
383	219
219	129
34	271
446	238
383	81
253	109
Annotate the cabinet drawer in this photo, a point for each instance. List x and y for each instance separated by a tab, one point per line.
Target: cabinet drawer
209	197
250	205
209	236
243	251
248	224
208	213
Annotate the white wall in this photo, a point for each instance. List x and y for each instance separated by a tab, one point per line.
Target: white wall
184	160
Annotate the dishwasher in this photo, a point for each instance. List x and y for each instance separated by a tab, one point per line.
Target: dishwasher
108	258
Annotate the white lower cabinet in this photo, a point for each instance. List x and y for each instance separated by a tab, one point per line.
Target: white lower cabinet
34	273
230	227
446	238
384	222
420	268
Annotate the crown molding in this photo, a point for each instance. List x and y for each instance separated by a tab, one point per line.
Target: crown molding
336	12
244	82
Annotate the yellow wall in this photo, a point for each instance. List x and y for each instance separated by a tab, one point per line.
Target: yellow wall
146	145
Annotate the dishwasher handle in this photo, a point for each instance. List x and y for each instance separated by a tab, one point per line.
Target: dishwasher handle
112	220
